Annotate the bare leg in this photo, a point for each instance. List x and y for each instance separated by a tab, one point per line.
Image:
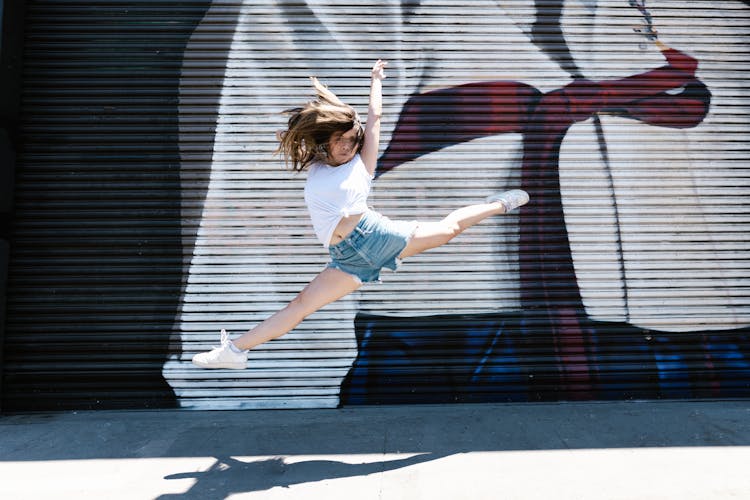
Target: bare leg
434	234
328	286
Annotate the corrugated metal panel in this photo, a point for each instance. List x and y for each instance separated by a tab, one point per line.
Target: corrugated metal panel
97	253
152	213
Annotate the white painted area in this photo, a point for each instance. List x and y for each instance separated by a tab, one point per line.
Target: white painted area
254	247
682	206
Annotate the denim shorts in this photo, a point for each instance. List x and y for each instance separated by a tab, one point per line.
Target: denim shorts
375	243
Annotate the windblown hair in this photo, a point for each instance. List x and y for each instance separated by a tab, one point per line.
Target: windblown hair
309	128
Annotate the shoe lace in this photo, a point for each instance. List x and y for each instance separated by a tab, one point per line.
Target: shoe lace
224	340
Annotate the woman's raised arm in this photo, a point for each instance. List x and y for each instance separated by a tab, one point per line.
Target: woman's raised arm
371	144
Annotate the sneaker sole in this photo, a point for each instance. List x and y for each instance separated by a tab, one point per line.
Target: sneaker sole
229	366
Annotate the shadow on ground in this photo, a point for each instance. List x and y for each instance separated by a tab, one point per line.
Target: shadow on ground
259	450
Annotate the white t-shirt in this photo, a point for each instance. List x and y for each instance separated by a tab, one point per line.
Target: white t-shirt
332	193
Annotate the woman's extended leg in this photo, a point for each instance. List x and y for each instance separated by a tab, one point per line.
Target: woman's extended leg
328	286
434	234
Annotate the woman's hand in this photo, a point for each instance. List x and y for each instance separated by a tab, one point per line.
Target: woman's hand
378	70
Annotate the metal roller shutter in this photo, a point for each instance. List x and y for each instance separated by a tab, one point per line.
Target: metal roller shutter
151	211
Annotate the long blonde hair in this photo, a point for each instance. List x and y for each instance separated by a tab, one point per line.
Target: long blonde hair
310	127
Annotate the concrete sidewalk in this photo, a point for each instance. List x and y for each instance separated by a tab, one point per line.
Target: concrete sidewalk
601	451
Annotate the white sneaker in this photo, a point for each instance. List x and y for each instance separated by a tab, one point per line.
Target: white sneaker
222	357
510	199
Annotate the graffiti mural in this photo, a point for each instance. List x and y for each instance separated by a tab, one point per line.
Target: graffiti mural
551	304
625	277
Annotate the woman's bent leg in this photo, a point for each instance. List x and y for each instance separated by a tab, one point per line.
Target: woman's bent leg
434	234
328	286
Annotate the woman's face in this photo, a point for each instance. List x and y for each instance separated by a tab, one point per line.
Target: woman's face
342	146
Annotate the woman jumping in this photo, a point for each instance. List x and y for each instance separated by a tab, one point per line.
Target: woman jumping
326	138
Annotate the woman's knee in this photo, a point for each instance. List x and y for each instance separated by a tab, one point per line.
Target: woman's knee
451	229
301	306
